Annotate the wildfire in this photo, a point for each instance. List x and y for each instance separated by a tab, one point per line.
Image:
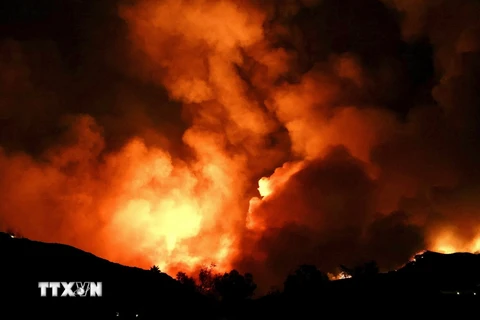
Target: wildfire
341	166
447	242
266	187
338	276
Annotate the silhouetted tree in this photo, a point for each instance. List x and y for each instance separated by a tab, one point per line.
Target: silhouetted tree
370	268
233	286
306	280
155	269
206	279
187	281
365	270
274	291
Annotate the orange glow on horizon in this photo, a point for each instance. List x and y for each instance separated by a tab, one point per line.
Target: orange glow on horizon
447	242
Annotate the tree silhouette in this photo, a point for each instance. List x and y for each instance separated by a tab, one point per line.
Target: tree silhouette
187	281
206	279
233	286
365	270
273	291
306	280
155	269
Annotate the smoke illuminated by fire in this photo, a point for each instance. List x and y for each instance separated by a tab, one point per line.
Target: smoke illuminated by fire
275	146
447	242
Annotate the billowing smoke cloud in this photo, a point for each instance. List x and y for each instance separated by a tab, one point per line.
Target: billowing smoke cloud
145	141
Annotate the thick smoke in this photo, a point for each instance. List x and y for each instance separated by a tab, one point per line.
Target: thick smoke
144	140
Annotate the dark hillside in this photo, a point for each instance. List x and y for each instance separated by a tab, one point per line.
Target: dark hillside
431	284
24	263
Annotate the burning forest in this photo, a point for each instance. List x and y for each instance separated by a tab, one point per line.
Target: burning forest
256	135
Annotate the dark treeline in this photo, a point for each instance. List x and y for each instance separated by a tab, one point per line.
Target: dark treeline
233	286
423	284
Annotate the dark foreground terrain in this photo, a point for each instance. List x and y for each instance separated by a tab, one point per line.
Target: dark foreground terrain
432	285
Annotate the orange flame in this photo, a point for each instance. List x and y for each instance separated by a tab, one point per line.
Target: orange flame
448	242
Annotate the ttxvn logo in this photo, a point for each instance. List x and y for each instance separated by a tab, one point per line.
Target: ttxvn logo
71	289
